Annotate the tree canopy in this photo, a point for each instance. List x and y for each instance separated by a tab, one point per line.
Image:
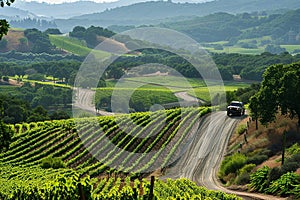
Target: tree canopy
279	93
3	23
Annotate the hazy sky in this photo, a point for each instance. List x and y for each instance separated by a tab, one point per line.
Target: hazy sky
62	1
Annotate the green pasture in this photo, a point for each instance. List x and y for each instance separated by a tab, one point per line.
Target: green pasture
71	45
235	49
290	48
204	92
174	82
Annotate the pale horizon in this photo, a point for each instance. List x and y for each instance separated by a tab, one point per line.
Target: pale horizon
68	1
100	1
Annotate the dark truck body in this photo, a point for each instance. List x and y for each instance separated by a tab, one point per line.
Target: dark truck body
235	108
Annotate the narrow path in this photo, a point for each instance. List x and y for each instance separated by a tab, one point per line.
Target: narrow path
84	101
201	161
186	97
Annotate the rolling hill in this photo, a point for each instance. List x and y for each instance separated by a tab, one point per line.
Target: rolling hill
50	159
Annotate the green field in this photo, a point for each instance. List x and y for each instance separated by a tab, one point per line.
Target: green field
237	49
194	87
178	83
140	99
74	46
291	48
203	92
71	45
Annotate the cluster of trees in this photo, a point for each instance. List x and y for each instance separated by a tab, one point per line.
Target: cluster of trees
39	24
283	28
24	58
250	67
38	41
125	63
35	103
64	70
91	35
279	93
35	41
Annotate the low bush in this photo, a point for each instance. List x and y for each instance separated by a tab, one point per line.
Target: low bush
232	164
54	163
241	129
247	168
243	179
257	159
274	174
294	149
290	167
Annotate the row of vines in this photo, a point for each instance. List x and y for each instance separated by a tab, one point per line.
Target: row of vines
36	183
70	159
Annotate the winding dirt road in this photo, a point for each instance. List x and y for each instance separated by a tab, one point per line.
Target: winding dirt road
200	163
84	101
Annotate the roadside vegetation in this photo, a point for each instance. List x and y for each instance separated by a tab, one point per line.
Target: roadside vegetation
264	152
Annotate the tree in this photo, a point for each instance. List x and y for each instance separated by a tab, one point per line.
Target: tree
254	107
3	23
279	93
5	132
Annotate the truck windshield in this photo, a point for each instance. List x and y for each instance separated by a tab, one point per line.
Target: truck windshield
236	104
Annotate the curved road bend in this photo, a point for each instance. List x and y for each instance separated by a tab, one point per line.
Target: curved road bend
200	163
84	100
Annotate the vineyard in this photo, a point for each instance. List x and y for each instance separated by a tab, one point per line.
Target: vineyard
71	159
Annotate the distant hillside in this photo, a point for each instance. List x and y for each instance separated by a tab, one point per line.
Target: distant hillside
135	12
155	11
13	40
282	28
166	9
11	13
71	9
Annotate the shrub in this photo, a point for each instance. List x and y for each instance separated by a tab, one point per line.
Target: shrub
54	163
57	163
294	149
274	174
294	158
241	129
46	163
232	164
247	168
244	174
290	167
243	179
257	159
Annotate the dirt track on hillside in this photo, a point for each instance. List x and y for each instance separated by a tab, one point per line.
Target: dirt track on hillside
201	161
